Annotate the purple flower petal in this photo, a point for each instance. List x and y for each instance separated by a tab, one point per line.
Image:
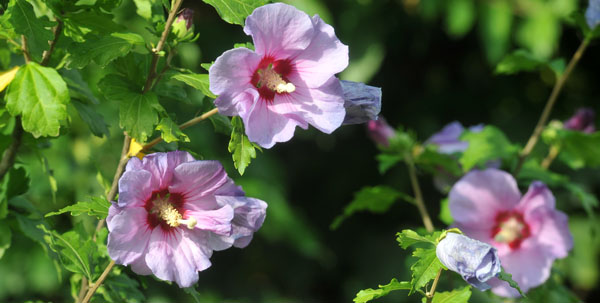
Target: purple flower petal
583	120
362	102
592	14
127	240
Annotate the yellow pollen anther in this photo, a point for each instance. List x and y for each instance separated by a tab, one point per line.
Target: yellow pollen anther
274	82
166	211
509	231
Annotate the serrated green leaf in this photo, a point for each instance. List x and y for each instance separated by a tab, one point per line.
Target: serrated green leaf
93	119
197	81
5	237
387	161
434	162
88	22
425	268
578	149
119	287
103	49
98	208
40	95
241	149
369	294
486	145
138	113
377	199
461	295
409	237
504	276
518	61
170	131
221	124
235	11
144	8
37	30
193	293
74	252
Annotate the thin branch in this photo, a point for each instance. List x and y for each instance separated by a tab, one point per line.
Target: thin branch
115	183
552	153
83	290
434	286
418	195
164	69
161	44
11	152
537	131
97	284
57	30
25	49
185	125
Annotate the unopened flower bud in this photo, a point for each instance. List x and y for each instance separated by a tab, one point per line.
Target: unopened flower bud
582	121
362	102
183	23
592	14
475	261
380	132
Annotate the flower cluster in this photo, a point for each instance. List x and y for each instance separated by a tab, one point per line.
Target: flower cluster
528	232
173	212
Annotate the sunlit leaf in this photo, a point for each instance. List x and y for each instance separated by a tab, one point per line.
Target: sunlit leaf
241	149
235	11
369	294
97	207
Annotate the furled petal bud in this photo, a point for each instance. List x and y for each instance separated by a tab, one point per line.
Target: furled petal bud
183	23
380	132
362	102
475	261
448	139
583	120
592	14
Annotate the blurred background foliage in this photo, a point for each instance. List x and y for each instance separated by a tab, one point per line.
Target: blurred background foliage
435	61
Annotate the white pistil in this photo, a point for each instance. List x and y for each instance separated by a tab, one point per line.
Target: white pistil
285	88
189	222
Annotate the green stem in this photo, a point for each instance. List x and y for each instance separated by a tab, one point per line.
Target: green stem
434	286
418	195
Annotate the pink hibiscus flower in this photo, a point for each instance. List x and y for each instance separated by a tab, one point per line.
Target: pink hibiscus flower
288	81
173	212
528	232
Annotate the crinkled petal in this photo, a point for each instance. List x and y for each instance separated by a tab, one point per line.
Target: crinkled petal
162	165
447	139
231	73
198	179
279	30
553	233
324	57
475	261
529	267
173	256
135	187
217	221
477	197
267	127
249	215
129	234
140	267
238	105
538	196
362	102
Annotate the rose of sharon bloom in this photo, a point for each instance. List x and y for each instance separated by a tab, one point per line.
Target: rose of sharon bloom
592	14
447	139
475	261
528	232
288	81
380	131
362	102
173	212
583	121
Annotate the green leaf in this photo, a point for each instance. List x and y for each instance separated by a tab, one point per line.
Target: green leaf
518	61
578	149
425	268
445	215
486	145
434	162
103	49
221	124
460	17
539	32
387	161
455	296
377	199
369	294
37	30
241	149
98	208
119	287
588	200
40	95
88	22
193	293
144	8
495	23
409	237
235	11
93	119
170	131
74	252
197	81
5	237
137	112
14	183
504	276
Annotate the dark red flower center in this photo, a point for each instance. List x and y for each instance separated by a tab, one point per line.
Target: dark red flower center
510	228
165	209
271	77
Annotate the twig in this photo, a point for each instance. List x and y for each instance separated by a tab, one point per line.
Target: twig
11	152
537	131
25	49
185	125
164	69
98	282
83	290
115	183
552	153
57	30
418	195
434	286
160	45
